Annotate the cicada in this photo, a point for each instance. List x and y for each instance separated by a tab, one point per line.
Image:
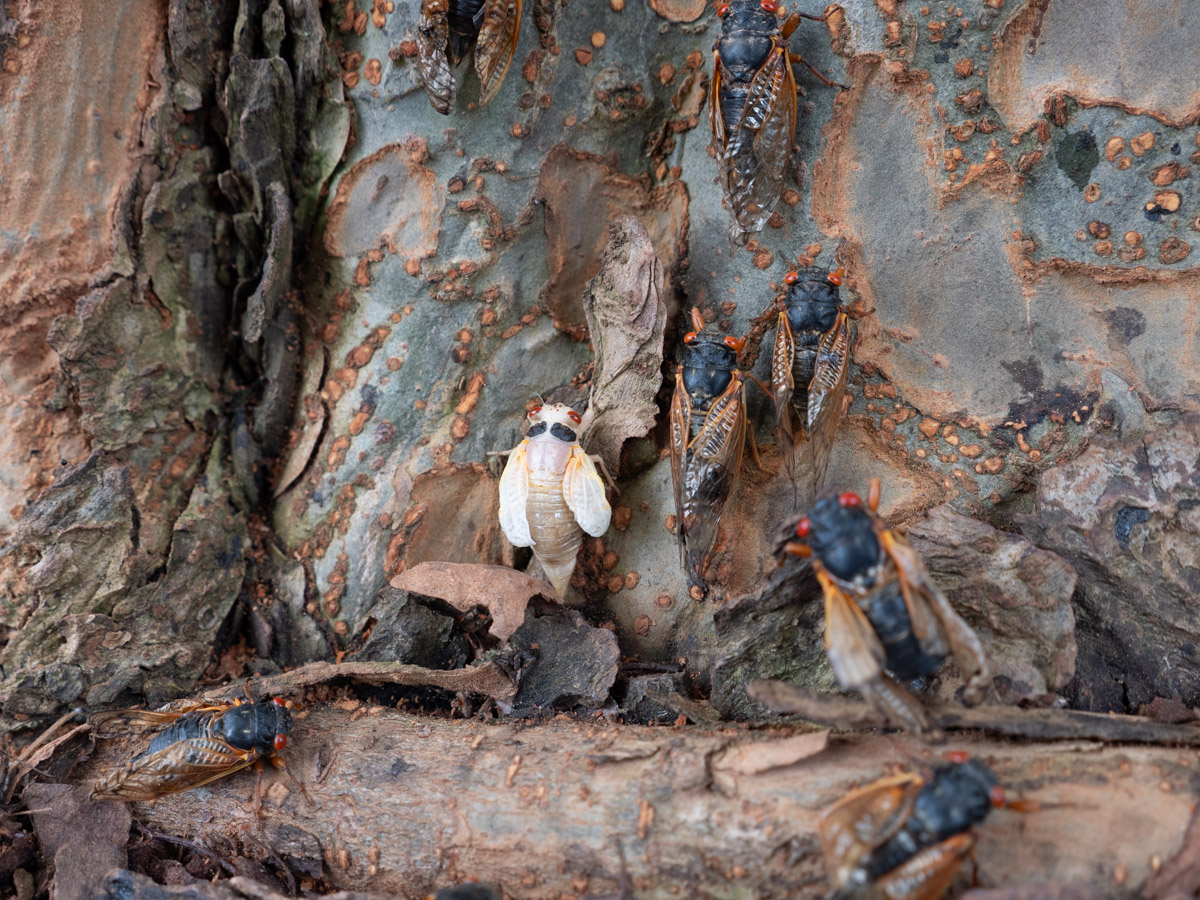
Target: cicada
905	837
551	493
809	366
752	108
447	30
708	432
883	613
197	744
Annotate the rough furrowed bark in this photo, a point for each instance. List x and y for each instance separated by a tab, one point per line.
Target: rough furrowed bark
404	805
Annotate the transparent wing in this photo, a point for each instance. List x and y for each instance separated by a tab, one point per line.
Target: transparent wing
181	766
681	416
864	819
514	493
937	627
710	470
854	650
584	492
433	34
782	387
114	722
496	44
928	874
826	393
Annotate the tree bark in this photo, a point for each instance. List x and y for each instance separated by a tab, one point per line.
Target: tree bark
703	812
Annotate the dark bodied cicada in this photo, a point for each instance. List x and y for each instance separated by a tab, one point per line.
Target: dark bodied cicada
446	32
883	613
752	108
197	744
809	366
905	837
708	432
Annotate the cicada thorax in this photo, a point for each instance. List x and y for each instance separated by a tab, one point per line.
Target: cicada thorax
708	366
748	35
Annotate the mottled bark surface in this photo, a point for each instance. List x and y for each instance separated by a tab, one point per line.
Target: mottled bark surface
265	314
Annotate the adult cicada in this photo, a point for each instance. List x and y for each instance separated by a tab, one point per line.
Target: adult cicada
551	493
752	108
446	32
708	432
883	613
198	744
809	365
905	837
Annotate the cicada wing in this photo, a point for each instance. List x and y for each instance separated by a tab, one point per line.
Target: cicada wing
433	35
496	44
782	386
583	491
714	107
514	494
757	152
937	627
114	722
855	652
680	427
826	395
864	819
180	766
714	457
927	875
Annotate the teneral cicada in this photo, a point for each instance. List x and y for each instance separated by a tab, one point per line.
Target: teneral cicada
197	744
883	613
905	837
551	492
708	433
752	108
447	30
809	366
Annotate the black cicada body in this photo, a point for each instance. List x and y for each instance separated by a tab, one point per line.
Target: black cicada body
883	613
906	836
198	745
447	31
752	108
708	433
809	367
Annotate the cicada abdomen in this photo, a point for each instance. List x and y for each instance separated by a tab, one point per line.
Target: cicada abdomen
447	31
809	367
752	108
551	493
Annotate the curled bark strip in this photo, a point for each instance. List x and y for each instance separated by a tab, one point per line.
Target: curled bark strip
848	714
486	678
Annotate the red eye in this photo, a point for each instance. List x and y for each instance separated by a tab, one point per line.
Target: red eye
689	337
803	527
770	6
791	277
835	277
849	498
722	10
280	741
574	416
535	411
279	701
731	341
998	797
958	756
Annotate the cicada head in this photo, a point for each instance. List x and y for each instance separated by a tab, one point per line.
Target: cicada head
557	420
709	361
839	530
812	299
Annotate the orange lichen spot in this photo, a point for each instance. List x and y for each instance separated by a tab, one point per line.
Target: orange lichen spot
1103	248
1113	147
1099	230
373	71
1167	173
1165	201
598	39
694	60
965	67
1133	239
583	56
1142	144
1092	192
1173	250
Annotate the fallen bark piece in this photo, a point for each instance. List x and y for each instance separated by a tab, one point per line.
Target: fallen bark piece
487	679
568	663
86	840
408	804
126	885
845	713
626	317
503	592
